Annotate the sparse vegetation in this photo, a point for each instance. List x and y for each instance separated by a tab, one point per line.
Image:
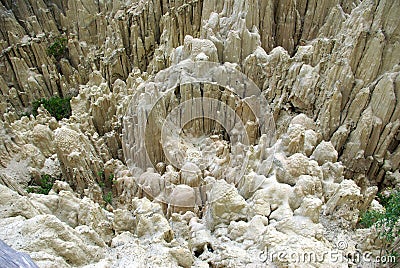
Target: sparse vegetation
386	222
57	48
44	187
58	107
101	182
108	198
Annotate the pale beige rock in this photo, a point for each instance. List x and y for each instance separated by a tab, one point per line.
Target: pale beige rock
297	165
333	176
48	237
250	183
126	189
325	152
64	205
33	155
200	239
311	139
128	250
310	207
289	237
42	137
60	186
183	256
306	186
78	158
294	139
303	120
241	231
302	94
150	221
92	215
12	184
123	221
345	202
271	201
182	199
225	204
12	204
194	48
191	174
151	183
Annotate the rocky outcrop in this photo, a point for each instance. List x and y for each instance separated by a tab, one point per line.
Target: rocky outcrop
314	60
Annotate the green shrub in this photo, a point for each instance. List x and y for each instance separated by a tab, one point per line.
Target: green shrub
58	107
57	48
369	218
111	178
386	222
46	183
383	199
108	198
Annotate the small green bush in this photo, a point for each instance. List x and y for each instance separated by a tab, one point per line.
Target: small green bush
108	198
383	199
57	48
369	218
111	178
58	107
46	183
387	222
